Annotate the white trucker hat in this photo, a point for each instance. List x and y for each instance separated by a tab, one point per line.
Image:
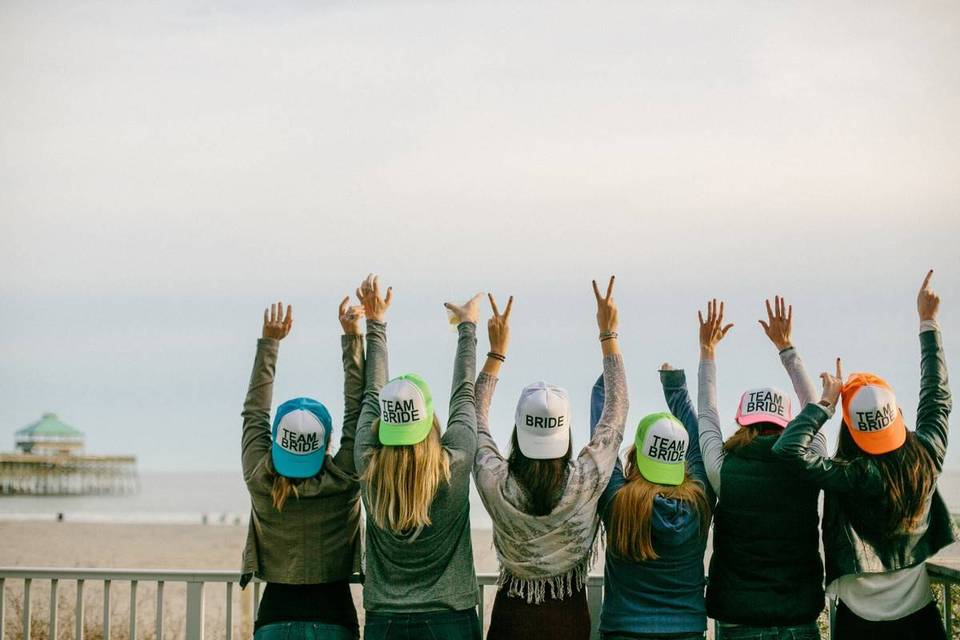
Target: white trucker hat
543	421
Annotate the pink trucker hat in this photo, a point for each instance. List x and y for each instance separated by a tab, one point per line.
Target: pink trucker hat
764	405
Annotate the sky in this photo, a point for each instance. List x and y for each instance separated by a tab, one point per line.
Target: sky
168	169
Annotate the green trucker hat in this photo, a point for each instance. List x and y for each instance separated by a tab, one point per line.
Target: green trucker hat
661	443
406	410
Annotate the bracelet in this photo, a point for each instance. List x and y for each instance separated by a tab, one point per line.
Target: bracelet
496	356
608	335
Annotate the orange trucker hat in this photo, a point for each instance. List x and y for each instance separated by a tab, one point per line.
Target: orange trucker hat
871	414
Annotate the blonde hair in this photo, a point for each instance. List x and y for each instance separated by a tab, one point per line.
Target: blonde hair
283	488
629	535
401	481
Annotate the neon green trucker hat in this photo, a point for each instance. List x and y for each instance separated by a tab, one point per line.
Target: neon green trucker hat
406	410
661	443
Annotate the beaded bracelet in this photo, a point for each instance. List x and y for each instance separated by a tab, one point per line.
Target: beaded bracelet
608	335
496	356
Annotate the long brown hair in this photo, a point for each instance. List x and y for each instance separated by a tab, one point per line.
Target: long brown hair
908	475
401	481
743	436
629	535
543	480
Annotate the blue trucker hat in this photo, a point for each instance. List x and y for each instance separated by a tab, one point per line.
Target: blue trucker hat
301	434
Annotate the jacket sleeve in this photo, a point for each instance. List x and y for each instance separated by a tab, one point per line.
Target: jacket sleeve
711	438
375	376
603	450
675	392
255	441
488	463
794	446
803	386
617	478
933	410
352	356
461	432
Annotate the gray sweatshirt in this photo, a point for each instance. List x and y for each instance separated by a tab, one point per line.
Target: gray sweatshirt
549	556
430	569
711	438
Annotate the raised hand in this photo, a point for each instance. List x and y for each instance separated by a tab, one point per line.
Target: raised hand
712	330
350	317
374	306
498	326
831	387
469	311
928	302
779	323
607	319
666	366
276	324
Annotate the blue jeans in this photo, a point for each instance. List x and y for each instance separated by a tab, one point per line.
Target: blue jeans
304	631
436	625
808	631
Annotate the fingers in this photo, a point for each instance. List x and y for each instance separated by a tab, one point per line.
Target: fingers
343	305
720	317
506	312
765	326
266	316
596	291
610	288
389	295
725	329
700	317
789	314
839	370
493	305
288	321
376	286
926	281
452	307
769	312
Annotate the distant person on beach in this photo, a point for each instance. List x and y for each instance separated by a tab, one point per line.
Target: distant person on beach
304	537
766	575
657	519
883	515
542	502
420	578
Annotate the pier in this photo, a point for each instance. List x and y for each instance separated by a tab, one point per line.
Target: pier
51	462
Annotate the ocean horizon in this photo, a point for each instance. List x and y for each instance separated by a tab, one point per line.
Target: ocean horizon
219	498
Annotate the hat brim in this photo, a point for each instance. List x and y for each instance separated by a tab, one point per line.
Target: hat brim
397	435
757	418
543	447
660	472
290	465
879	442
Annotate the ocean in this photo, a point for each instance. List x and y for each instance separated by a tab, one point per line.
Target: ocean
219	498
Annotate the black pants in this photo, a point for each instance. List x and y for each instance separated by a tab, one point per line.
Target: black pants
515	619
924	624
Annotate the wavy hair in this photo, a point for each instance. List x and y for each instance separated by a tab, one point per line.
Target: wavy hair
629	534
401	481
543	480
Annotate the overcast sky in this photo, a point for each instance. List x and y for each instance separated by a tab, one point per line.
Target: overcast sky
166	169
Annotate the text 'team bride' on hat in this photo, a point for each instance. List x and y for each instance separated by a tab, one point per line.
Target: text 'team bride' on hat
406	411
301	435
661	449
764	405
543	421
871	414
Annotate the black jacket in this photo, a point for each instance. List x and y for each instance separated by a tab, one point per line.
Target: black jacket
765	569
849	487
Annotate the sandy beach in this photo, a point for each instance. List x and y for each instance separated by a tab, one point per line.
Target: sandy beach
141	546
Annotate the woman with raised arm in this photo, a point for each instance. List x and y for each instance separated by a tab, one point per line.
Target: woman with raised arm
657	519
420	580
766	575
304	536
883	515
543	504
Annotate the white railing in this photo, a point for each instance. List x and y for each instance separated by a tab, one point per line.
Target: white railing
195	582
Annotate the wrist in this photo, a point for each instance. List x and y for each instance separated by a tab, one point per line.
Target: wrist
783	346
706	353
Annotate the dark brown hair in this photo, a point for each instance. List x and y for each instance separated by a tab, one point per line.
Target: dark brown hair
543	480
908	475
629	534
